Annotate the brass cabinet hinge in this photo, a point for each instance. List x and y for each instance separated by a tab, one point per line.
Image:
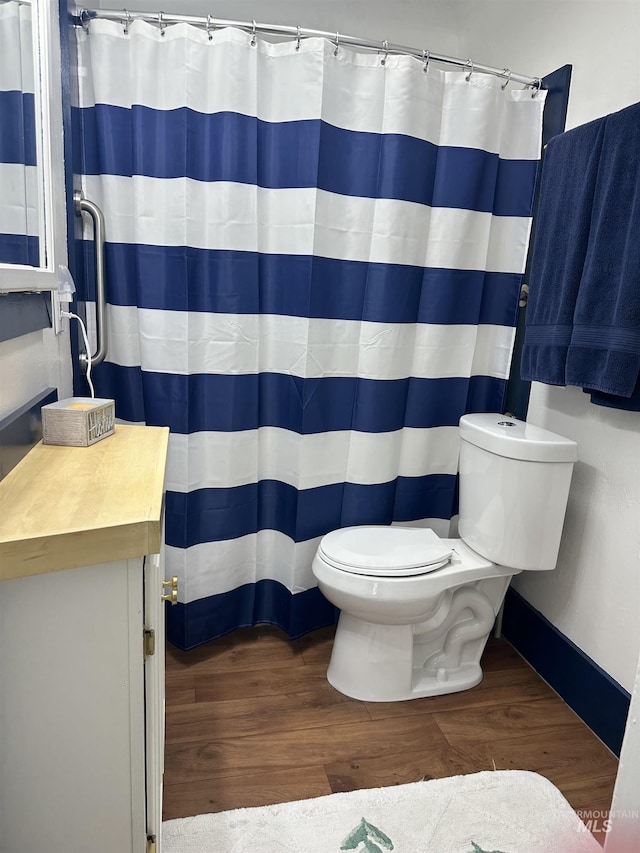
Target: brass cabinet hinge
149	642
172	595
151	844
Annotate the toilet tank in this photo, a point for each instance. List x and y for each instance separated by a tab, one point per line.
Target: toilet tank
514	485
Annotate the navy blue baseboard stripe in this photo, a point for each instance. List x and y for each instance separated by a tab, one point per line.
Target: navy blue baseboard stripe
595	697
266	602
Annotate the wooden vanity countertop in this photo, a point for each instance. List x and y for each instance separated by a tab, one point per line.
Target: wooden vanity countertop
65	507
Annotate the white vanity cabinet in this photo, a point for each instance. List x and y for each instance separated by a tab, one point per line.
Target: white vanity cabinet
82	647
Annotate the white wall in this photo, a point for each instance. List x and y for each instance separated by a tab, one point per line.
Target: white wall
593	597
408	22
31	363
625	808
598	37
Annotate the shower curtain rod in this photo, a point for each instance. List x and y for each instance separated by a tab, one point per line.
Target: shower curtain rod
125	17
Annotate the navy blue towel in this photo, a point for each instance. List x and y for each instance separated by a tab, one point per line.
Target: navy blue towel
583	319
560	242
612	401
604	353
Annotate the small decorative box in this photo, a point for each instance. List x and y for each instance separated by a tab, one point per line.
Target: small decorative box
78	421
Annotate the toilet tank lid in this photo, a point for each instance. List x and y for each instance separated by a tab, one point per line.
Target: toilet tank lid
515	439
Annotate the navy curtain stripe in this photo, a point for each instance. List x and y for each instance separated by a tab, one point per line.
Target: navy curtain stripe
228	146
17	129
126	386
231	402
181	278
212	515
485	394
19	249
265	602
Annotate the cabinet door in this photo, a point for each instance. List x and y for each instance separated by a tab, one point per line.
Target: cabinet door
154	695
72	711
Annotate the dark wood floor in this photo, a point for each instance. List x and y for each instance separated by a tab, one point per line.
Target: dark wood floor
251	720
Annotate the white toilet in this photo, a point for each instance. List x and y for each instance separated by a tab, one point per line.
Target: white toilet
416	610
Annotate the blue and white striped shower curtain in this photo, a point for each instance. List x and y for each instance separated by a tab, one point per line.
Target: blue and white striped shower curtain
313	271
19	191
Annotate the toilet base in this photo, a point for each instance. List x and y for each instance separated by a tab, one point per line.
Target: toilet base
392	663
375	664
464	679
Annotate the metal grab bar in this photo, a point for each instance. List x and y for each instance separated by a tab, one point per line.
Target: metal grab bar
83	205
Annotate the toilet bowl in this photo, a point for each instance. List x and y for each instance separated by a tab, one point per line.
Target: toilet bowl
416	610
394	639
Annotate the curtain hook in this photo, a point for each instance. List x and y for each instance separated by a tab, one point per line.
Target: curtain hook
298	37
426	55
127	21
537	85
385	45
469	63
337	43
506	71
163	26
253	33
85	17
209	33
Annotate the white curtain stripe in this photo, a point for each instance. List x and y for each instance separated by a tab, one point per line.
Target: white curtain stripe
19	196
214	460
195	342
223	215
16	48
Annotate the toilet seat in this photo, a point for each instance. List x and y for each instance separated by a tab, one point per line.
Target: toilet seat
385	551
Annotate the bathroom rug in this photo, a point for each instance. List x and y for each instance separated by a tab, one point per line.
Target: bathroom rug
501	811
